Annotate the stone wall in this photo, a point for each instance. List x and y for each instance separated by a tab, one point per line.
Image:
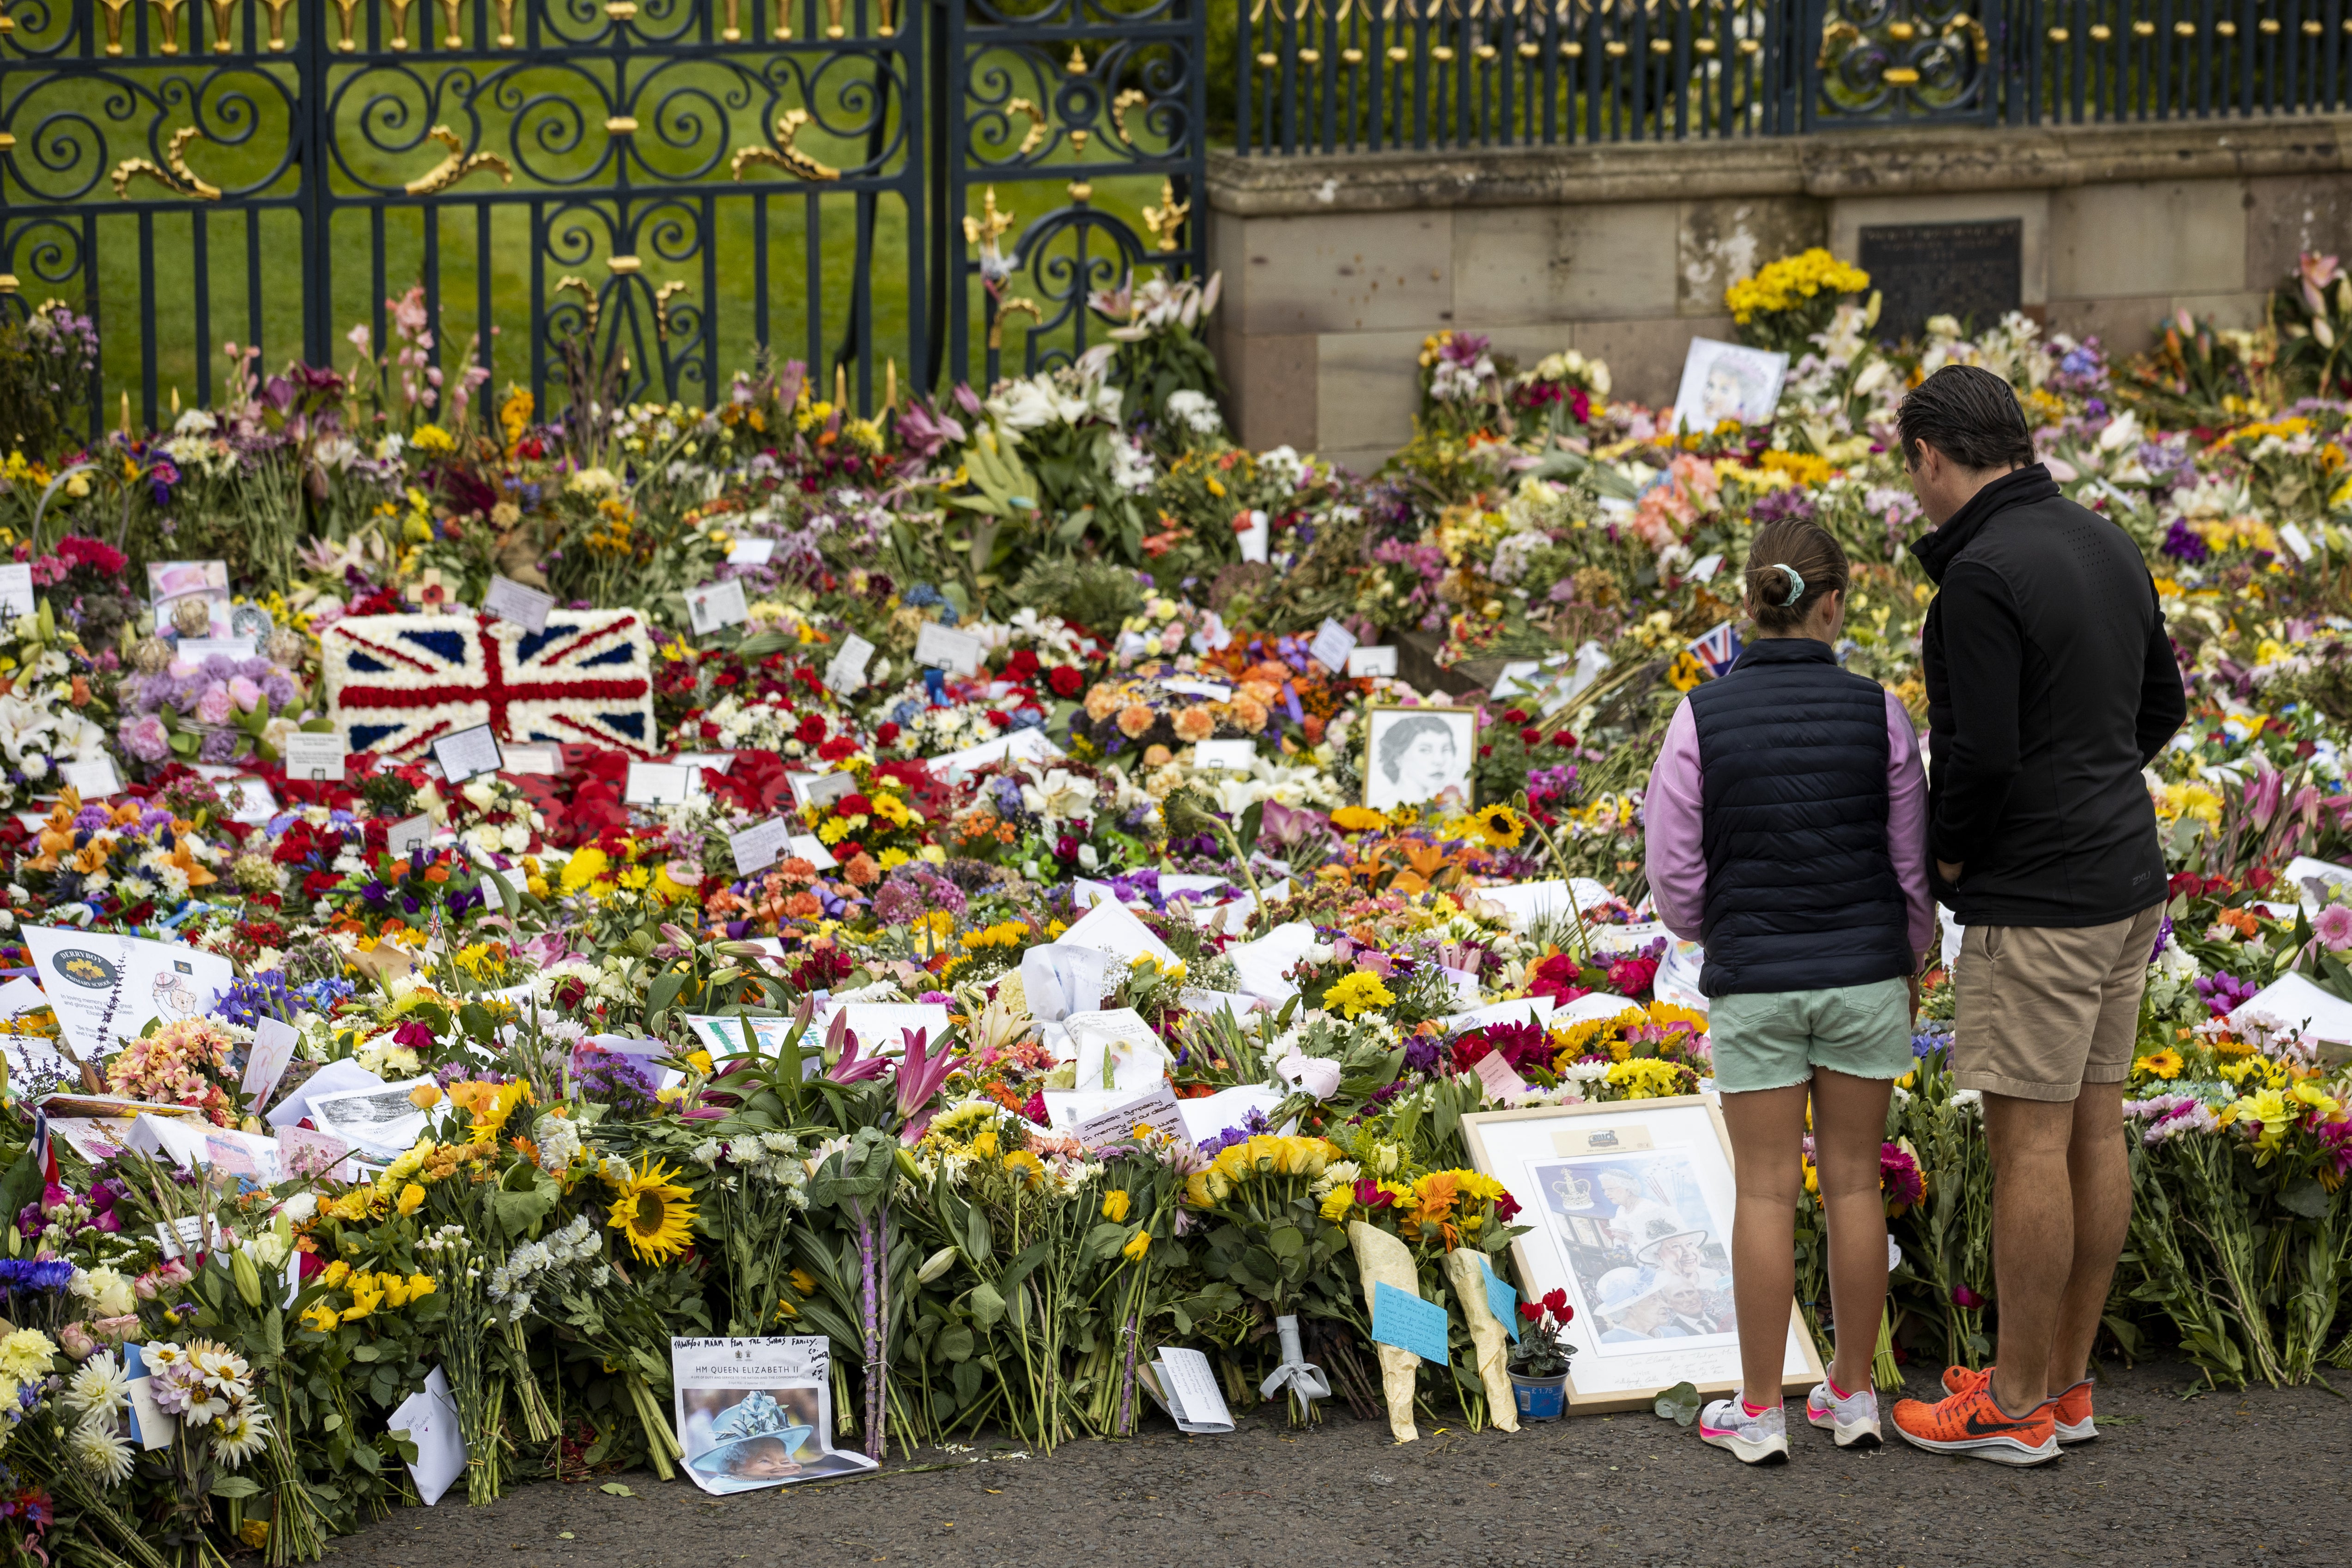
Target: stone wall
1336	268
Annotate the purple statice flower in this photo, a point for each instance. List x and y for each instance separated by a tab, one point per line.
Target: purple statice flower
614	1078
2184	544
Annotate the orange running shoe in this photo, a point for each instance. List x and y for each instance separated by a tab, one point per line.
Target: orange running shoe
2073	1407
1972	1425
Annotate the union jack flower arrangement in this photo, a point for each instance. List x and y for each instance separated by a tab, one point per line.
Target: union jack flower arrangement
396	683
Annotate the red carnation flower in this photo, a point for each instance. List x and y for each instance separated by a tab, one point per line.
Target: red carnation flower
1065	681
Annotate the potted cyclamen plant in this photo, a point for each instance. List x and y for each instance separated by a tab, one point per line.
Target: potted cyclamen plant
1538	1364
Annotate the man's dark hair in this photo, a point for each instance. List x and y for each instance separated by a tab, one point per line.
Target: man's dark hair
1969	415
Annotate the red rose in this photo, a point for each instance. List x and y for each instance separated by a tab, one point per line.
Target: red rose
886	734
1022	665
1562	738
833	750
1515	716
1065	681
1529	737
811	730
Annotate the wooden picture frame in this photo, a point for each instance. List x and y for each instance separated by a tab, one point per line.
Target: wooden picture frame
1630	1204
1380	718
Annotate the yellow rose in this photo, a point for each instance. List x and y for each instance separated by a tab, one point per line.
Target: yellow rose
1115	1205
412	1198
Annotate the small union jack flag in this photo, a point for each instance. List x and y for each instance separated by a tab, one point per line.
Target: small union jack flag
1719	649
397	682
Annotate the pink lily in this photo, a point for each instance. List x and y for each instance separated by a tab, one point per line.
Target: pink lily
841	1048
919	1077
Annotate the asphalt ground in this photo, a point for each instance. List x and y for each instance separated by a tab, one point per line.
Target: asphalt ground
2212	1477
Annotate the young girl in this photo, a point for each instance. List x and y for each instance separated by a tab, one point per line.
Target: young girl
1786	822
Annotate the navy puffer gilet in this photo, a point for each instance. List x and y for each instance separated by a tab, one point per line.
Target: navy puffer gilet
1800	892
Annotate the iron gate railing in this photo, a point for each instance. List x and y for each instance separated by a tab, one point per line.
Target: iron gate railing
1365	75
679	180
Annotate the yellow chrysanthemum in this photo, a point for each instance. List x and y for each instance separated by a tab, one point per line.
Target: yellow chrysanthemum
653	1213
1358	993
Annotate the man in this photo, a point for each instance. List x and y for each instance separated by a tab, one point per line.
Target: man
2051	684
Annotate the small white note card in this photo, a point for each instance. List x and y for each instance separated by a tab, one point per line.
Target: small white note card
657	783
1364	661
468	753
944	647
1332	645
847	673
760	846
315	756
1225	754
510	601
715	606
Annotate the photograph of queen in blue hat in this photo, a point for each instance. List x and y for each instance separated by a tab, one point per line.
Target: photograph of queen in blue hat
744	1439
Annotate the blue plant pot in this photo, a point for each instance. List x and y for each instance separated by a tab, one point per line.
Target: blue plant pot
1540	1398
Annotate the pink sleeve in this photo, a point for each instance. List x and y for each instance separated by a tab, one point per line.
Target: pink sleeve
1907	821
1672	822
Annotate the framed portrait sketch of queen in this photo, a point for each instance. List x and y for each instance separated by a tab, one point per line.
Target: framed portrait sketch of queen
1631	1203
1415	755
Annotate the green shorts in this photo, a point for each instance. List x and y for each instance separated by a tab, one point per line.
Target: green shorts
1773	1039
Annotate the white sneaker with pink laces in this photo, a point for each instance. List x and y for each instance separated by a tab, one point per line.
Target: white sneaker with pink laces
1852	1419
1758	1438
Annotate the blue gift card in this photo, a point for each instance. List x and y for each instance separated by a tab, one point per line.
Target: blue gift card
1501	1300
1409	1323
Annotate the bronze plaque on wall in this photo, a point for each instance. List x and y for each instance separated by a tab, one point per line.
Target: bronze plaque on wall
1975	271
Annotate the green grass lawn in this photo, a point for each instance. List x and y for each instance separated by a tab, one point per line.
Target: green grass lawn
550	120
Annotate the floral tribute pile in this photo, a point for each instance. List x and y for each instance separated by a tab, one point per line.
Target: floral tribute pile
1038	712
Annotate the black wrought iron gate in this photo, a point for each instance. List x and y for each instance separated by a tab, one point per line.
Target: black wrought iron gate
682	182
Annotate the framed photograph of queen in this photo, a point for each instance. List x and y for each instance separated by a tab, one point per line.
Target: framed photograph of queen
1631	1203
1412	756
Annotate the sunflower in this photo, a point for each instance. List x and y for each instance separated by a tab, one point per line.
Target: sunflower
1500	826
655	1213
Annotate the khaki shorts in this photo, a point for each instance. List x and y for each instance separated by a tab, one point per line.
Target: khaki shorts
2044	1010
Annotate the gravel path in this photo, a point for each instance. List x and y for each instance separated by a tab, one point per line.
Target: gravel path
2219	1478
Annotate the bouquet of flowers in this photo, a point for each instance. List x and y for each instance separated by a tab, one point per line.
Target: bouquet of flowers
218	711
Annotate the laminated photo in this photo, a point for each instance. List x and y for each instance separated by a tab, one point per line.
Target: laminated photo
1417	756
757	1413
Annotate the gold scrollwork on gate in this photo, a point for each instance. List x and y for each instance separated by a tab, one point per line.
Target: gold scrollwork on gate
456	166
179	179
783	154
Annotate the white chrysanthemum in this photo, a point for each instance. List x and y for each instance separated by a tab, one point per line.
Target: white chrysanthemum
103	1451
98	1385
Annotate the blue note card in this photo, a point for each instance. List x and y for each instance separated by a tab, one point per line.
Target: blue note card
1409	1323
1501	1300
